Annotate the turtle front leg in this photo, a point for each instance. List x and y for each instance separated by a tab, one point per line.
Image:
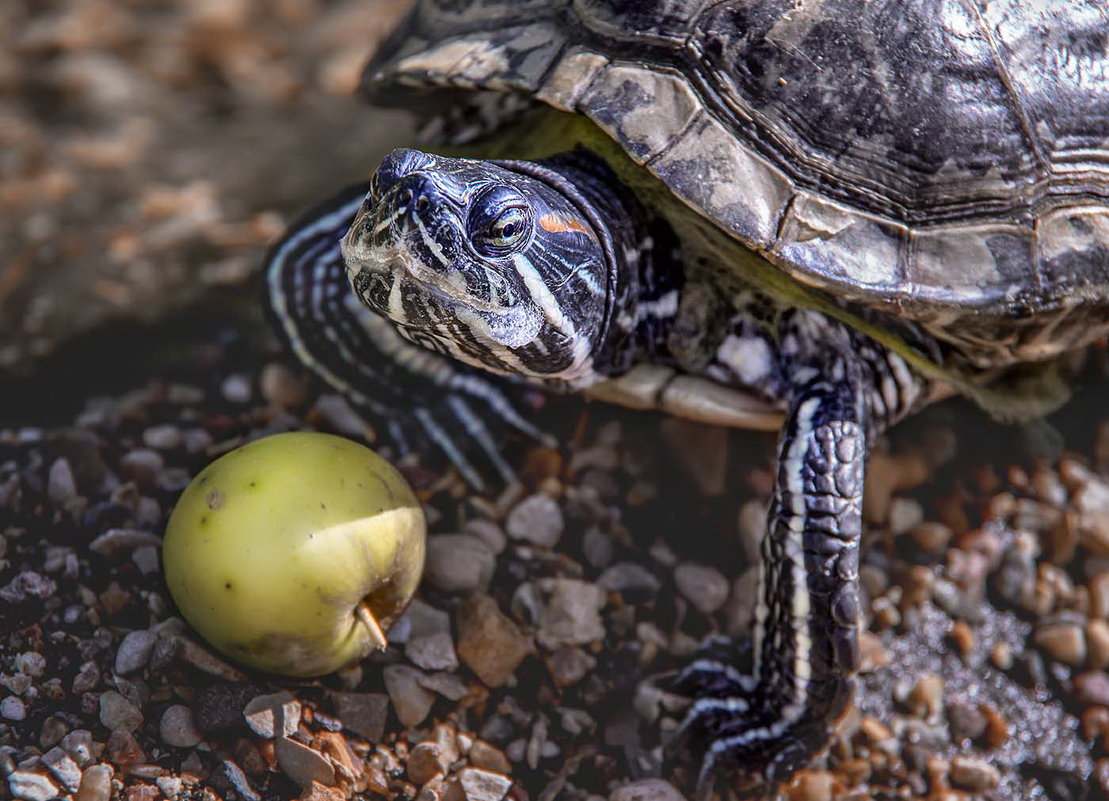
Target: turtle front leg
765	713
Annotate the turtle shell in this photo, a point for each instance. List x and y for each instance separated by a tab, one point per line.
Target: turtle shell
943	160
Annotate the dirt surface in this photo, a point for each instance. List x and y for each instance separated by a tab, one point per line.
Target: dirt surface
150	151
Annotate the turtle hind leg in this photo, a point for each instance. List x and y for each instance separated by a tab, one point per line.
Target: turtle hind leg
413	398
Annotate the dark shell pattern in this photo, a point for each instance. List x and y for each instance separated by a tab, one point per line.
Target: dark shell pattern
941	160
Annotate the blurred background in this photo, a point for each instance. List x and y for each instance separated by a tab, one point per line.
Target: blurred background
150	150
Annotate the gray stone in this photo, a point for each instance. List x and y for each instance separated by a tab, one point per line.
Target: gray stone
134	651
163	437
80	745
88	676
571	614
629	577
61	486
703	586
432	652
31	786
176	727
536	520
13	708
363	713
96	783
118	541
147	560
239	780
273	715
647	790
483	785
302	764
459	562
64	769
488	531
411	700
116	712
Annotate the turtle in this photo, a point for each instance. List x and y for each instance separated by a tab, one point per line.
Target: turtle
807	217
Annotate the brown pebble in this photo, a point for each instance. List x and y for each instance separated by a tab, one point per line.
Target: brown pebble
1065	642
1099	595
997	727
1092	687
321	792
425	761
1095	722
874	730
282	387
930	536
96	783
1002	656
142	792
974	775
855	771
123	748
1101	774
926	697
812	785
1097	644
485	755
490	643
917	587
962	637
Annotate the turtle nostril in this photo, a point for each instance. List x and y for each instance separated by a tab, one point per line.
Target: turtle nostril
422	203
405	197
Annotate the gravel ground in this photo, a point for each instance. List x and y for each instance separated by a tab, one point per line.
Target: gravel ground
533	662
148	152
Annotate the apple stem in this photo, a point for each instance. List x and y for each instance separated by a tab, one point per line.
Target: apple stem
377	636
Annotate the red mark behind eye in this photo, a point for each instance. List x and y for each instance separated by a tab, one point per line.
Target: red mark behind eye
557	224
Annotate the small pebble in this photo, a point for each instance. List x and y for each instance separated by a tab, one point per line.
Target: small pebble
275	715
631	579
177	728
63	768
52	732
96	783
489	642
134	651
239	780
1097	644
571	614
303	764
163	437
80	745
124	749
967	722
647	790
61	486
1092	687
411	701
236	389
705	587
32	786
13	708
459	562
219	707
432	652
536	520
974	775
1065	642
116	712
483	785
283	388
363	713
119	541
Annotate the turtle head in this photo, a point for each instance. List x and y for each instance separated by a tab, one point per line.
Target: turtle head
493	266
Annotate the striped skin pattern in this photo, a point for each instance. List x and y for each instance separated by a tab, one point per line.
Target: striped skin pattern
551	274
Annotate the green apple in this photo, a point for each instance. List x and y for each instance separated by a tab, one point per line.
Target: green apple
295	553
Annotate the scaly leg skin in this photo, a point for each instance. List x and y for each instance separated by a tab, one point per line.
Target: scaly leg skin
765	725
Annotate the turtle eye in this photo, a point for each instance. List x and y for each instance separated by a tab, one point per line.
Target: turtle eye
499	228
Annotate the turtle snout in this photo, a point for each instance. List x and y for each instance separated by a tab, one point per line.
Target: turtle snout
399	164
413	196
